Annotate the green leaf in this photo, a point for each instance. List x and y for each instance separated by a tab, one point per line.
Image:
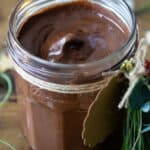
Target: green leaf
103	114
140	95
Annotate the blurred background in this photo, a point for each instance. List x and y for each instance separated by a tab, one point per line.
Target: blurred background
9	126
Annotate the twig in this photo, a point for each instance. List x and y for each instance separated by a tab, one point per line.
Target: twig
7	144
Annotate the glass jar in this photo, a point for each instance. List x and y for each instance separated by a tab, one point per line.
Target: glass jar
54	98
131	3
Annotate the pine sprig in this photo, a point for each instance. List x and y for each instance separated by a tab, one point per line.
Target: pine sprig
133	139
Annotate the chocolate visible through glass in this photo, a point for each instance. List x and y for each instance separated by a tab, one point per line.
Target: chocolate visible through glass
73	33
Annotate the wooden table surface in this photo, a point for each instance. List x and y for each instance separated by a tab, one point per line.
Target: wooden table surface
9	123
10	130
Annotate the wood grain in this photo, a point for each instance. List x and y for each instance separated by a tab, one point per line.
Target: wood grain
10	130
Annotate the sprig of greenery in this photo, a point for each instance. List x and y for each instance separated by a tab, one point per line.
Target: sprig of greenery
7	144
6	78
133	139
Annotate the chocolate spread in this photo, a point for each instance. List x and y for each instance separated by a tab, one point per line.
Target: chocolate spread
73	33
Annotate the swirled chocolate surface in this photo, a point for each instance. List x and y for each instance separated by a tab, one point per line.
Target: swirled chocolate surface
73	33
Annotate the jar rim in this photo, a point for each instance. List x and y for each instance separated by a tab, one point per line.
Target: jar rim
68	66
